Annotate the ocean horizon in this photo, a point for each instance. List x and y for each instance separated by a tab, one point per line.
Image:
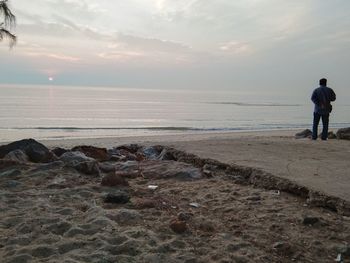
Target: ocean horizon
62	112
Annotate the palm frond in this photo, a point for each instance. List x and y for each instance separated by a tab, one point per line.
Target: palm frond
4	33
9	17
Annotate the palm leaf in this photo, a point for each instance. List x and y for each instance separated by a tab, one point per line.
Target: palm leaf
9	17
4	33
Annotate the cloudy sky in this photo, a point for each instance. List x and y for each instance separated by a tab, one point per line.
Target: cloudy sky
229	44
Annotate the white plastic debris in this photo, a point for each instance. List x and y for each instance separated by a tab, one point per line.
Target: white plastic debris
276	192
153	187
339	258
196	205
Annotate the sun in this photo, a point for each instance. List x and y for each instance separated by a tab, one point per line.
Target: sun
50	78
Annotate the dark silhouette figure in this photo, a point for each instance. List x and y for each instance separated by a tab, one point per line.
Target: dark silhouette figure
322	97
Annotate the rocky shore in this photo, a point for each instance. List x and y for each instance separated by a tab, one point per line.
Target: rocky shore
134	203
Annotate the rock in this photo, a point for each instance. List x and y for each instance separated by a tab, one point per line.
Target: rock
59	151
283	248
12	184
184	216
35	151
151	153
331	135
17	156
99	154
7	163
166	155
132	148
81	162
118	197
310	220
178	226
303	134
48	166
113	180
169	169
107	167
343	134
69	246
59	228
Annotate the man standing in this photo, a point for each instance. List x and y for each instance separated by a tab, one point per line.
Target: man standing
322	97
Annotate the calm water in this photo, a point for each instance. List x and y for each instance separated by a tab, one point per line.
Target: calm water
48	112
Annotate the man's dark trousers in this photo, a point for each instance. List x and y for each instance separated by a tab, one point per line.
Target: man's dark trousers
325	122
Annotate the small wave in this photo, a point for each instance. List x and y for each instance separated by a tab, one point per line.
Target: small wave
254	104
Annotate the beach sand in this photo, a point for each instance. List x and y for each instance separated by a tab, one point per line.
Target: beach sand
57	214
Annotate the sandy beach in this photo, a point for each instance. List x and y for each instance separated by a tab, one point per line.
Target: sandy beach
228	197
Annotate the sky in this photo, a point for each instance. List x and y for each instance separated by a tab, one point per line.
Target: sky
274	45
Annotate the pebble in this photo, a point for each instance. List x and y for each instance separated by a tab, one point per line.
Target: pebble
178	226
310	220
118	197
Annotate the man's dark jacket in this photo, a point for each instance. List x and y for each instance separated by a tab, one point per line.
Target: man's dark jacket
322	98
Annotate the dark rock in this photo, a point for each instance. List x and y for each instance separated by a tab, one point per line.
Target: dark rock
90	168
17	156
113	180
303	134
184	216
69	246
132	148
166	155
343	134
81	162
178	226
283	248
35	151
310	220
106	167
169	169
59	151
48	166
118	197
99	154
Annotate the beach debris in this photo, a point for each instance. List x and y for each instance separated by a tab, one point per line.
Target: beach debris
112	180
196	205
118	197
152	187
99	154
339	258
36	152
178	226
303	134
275	192
310	220
343	134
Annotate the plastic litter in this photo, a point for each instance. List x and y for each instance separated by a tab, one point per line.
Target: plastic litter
152	187
196	205
339	258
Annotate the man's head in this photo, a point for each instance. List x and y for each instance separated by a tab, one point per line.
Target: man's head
323	82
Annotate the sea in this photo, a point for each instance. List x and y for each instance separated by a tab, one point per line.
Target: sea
64	112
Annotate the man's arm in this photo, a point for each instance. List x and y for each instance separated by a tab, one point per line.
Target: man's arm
333	96
314	97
